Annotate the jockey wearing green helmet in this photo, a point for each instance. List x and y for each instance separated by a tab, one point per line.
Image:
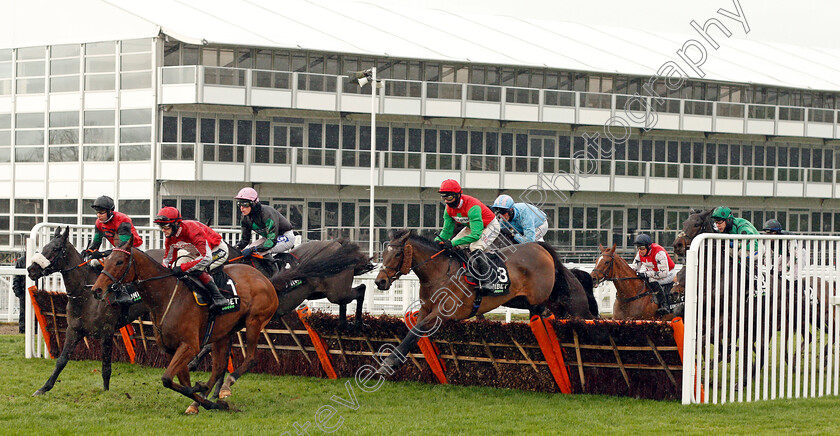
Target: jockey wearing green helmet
725	222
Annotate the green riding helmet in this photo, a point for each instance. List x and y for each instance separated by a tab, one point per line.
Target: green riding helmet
722	213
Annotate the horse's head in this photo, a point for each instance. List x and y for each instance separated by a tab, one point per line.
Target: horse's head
603	265
54	257
396	260
116	271
695	224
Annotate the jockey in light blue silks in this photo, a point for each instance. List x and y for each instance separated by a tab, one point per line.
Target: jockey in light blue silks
526	221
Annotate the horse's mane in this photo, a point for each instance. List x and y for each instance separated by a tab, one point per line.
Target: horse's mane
416	238
325	263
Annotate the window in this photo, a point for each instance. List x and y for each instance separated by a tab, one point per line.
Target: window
29	137
100	66
136	64
136	134
6	72
99	135
62	211
5	138
31	70
65	67
64	136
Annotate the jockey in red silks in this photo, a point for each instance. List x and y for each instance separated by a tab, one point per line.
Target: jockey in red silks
481	227
652	263
117	228
181	234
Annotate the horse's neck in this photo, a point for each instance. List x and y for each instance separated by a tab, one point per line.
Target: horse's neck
155	292
622	270
426	268
76	278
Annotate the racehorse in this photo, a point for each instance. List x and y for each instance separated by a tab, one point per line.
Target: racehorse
337	287
86	316
537	280
697	222
180	323
633	299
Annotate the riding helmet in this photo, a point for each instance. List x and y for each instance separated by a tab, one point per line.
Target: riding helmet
772	225
722	213
103	202
503	204
248	194
168	215
643	239
450	185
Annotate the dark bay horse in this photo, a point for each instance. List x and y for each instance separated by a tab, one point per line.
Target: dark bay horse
697	222
326	270
537	280
633	300
180	323
86	316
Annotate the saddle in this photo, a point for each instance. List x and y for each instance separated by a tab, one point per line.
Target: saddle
486	272
225	284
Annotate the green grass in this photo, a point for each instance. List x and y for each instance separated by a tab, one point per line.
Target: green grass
138	404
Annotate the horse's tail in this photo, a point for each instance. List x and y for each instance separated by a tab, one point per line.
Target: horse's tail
560	293
585	279
324	263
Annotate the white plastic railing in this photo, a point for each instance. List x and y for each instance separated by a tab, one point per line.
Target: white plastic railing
758	325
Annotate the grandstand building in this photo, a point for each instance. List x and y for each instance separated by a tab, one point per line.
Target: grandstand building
184	103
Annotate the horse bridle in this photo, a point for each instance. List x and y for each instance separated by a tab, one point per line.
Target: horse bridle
405	265
619	279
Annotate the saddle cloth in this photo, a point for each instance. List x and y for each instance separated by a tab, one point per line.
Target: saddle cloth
495	282
225	284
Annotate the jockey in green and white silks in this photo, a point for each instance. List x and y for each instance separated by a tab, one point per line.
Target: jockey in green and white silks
274	230
527	222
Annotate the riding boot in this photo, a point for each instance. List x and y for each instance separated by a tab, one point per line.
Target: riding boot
123	297
660	297
218	300
285	260
479	267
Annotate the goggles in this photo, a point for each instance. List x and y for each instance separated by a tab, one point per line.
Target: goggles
244	203
165	226
448	196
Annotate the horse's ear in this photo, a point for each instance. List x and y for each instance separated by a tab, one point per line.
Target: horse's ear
691	211
57	232
404	237
613	248
600	247
127	244
66	232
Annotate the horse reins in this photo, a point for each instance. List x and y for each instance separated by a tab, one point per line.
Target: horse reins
618	279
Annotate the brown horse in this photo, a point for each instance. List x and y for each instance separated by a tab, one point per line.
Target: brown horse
697	222
86	316
180	323
633	299
537	280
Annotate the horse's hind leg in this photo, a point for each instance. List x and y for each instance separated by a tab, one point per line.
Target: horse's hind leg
253	327
73	338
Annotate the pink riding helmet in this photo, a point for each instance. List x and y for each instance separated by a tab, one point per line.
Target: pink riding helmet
248	194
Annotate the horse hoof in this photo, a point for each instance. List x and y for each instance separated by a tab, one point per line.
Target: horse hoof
39	392
221	405
192	410
224	393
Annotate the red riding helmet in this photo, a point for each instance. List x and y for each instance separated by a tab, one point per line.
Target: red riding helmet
168	215
450	185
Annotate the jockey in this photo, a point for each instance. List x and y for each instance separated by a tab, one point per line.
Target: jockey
526	221
183	234
274	230
726	223
652	263
795	255
117	228
480	227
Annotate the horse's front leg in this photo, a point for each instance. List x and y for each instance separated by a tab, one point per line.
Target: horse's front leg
72	337
107	341
178	367
360	301
427	323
